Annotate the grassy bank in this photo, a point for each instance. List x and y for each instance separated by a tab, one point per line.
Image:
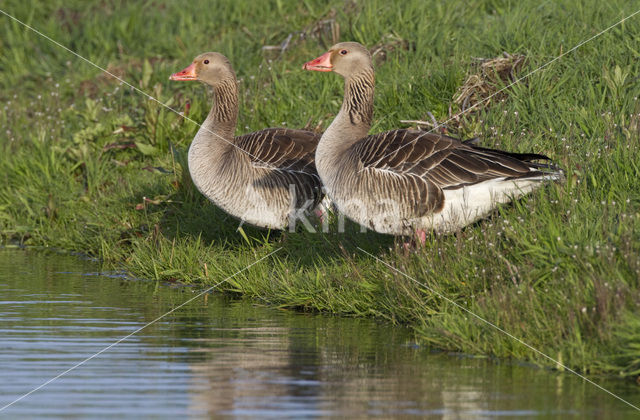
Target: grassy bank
89	165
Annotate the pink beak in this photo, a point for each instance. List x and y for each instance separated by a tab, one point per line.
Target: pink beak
188	73
322	63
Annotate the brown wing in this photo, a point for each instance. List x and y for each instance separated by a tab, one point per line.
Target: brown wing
289	157
281	148
433	162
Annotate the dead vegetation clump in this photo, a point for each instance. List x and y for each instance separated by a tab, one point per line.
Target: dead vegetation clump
478	91
482	86
326	30
388	44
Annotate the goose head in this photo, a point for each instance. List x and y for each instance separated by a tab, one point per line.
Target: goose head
210	68
344	58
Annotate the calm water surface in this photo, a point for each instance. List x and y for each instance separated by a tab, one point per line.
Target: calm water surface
229	359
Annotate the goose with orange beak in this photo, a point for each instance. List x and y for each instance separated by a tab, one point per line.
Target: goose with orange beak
266	178
406	182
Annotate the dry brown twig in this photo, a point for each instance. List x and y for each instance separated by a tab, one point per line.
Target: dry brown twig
325	30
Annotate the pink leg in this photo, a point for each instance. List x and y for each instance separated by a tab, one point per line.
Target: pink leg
319	214
419	240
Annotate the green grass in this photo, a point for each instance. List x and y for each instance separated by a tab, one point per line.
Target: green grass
89	165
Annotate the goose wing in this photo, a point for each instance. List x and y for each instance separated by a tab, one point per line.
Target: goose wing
282	149
423	164
284	159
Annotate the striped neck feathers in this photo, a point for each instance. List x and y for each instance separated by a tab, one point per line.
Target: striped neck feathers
354	119
352	122
358	98
223	117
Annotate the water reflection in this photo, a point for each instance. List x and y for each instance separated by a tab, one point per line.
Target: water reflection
234	359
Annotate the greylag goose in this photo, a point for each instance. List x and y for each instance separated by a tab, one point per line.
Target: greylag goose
263	177
403	182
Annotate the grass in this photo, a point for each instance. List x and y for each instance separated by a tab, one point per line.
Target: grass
89	165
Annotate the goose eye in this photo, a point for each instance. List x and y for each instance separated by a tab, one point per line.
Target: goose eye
206	61
343	52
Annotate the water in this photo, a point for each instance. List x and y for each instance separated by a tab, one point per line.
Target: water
220	358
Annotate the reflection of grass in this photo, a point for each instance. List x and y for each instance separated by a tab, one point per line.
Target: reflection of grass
90	166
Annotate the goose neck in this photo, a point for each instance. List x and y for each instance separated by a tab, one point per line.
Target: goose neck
354	119
358	98
223	116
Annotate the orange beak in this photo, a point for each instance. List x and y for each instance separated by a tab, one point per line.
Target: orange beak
188	73
322	63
